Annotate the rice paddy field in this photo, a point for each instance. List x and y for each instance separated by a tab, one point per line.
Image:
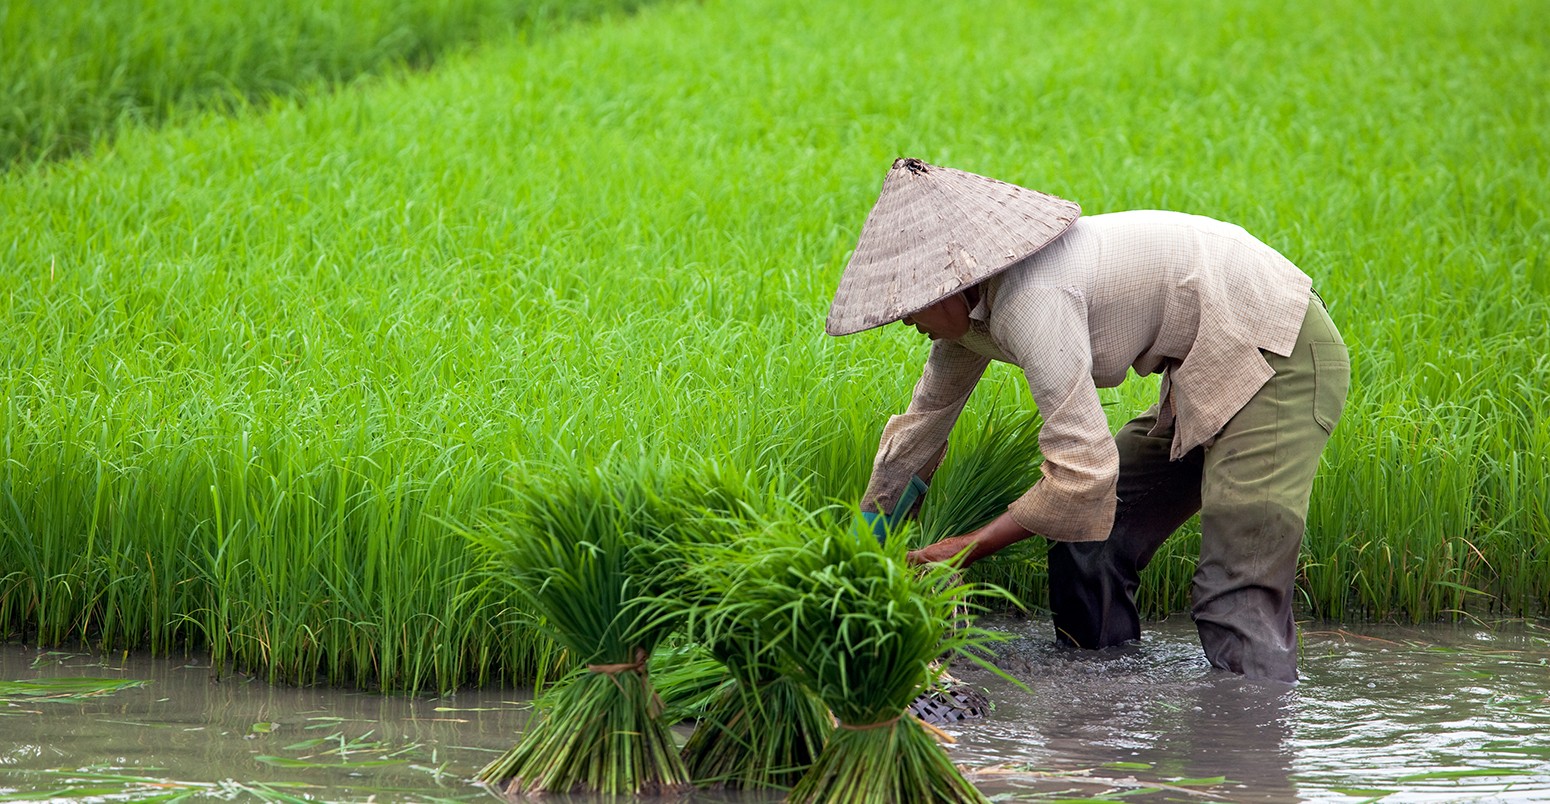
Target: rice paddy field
262	358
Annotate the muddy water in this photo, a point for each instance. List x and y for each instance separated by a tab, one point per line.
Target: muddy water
187	729
1440	713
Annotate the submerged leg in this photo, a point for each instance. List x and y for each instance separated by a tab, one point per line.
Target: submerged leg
1093	584
1258	477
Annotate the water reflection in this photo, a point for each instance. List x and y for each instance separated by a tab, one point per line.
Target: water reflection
1432	714
225	735
1466	717
1440	713
1153	714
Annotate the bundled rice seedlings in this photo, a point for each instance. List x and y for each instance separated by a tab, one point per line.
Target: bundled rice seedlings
687	679
762	728
862	628
591	555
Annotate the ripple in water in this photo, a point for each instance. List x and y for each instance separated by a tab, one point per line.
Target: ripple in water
1441	713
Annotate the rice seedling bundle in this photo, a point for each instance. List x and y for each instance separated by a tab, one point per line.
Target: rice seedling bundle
687	679
587	556
762	728
862	630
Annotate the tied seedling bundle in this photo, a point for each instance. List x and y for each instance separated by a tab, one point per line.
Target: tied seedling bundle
593	556
862	629
762	729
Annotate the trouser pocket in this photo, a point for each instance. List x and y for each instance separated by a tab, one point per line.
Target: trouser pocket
1331	383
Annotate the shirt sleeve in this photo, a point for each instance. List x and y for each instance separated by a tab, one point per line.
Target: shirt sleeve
1044	329
914	442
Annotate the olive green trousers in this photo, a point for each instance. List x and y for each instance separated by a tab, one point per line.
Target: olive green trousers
1251	487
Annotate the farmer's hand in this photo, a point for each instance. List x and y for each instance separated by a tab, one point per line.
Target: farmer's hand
946	550
975	545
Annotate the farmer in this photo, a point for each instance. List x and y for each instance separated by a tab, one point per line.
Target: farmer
1254	378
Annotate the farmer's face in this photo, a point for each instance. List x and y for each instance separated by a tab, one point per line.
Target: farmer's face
948	318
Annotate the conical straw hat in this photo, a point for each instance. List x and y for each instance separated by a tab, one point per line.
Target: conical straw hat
934	232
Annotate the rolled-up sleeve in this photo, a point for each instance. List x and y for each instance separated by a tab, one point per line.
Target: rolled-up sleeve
1044	329
913	442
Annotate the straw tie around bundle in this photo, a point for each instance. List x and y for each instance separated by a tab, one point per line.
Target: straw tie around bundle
883	724
639	665
639	668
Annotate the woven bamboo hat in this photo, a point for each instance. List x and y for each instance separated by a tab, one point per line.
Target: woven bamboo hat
933	232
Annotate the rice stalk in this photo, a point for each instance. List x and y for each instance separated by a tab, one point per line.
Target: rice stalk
757	733
586	554
862	629
759	729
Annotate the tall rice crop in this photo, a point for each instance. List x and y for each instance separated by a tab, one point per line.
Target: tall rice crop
862	630
252	365
73	73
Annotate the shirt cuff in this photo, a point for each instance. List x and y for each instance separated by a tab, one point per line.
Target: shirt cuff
1066	515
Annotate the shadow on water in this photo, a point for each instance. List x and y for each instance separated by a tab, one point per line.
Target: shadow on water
1438	713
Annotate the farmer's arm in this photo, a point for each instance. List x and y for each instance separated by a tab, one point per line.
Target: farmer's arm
1045	331
913	442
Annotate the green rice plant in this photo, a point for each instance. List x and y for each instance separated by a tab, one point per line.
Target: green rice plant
73	74
686	678
252	365
862	629
761	728
587	555
69	689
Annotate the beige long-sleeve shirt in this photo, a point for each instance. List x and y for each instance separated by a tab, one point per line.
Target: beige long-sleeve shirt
1190	296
